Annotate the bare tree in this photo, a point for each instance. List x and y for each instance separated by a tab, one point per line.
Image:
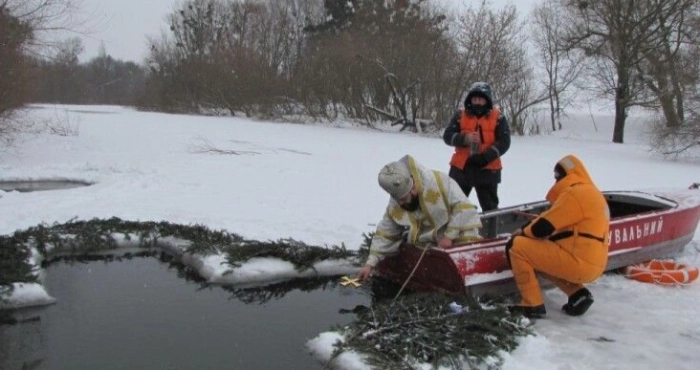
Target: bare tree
238	56
47	19
405	101
677	140
61	73
344	68
26	26
620	34
68	51
42	15
521	94
490	46
669	70
674	141
14	83
561	66
23	24
485	39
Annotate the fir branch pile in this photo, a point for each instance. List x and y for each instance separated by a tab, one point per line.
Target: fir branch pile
424	328
250	295
301	255
13	265
96	235
78	239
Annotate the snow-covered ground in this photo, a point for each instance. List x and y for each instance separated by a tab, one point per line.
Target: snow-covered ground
317	184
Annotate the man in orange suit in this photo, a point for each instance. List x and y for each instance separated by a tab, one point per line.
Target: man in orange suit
567	244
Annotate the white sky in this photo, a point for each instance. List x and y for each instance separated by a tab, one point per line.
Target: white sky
124	24
317	184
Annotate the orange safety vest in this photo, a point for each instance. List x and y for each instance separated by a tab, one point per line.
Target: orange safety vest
486	127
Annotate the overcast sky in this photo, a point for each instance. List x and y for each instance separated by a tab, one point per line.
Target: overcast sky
123	25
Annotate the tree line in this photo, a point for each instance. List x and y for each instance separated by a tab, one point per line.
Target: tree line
406	61
101	80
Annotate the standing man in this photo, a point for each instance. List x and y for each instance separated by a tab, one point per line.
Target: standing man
426	207
567	244
480	135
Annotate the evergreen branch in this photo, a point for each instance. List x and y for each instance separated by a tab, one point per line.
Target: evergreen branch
421	328
77	240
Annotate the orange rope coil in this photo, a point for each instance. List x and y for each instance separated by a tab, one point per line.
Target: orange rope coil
660	272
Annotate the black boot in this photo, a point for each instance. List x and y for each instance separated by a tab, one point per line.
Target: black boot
579	303
531	312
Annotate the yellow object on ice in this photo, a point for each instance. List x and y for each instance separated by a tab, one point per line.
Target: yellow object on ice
345	281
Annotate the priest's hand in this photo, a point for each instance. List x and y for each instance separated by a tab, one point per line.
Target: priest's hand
444	242
365	272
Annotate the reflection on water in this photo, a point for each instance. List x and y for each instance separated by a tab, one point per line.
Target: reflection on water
139	315
279	290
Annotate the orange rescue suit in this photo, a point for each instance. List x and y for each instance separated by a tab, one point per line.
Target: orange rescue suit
577	250
486	128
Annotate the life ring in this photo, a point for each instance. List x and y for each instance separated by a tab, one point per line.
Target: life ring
664	272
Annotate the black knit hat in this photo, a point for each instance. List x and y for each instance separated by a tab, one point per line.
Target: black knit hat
480	89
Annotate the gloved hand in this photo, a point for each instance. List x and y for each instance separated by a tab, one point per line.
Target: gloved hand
463	140
477	160
468	139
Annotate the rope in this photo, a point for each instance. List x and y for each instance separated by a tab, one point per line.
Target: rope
411	274
678	275
658	278
361	330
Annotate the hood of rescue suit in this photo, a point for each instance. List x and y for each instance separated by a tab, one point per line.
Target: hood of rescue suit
576	173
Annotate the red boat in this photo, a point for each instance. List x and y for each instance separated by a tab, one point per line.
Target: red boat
644	226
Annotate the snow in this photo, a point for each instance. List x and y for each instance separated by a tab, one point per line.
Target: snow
322	347
487	278
317	184
27	295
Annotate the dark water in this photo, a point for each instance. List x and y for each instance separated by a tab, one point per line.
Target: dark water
41	185
139	314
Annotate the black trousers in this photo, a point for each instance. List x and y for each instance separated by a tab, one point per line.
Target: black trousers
486	192
487	195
